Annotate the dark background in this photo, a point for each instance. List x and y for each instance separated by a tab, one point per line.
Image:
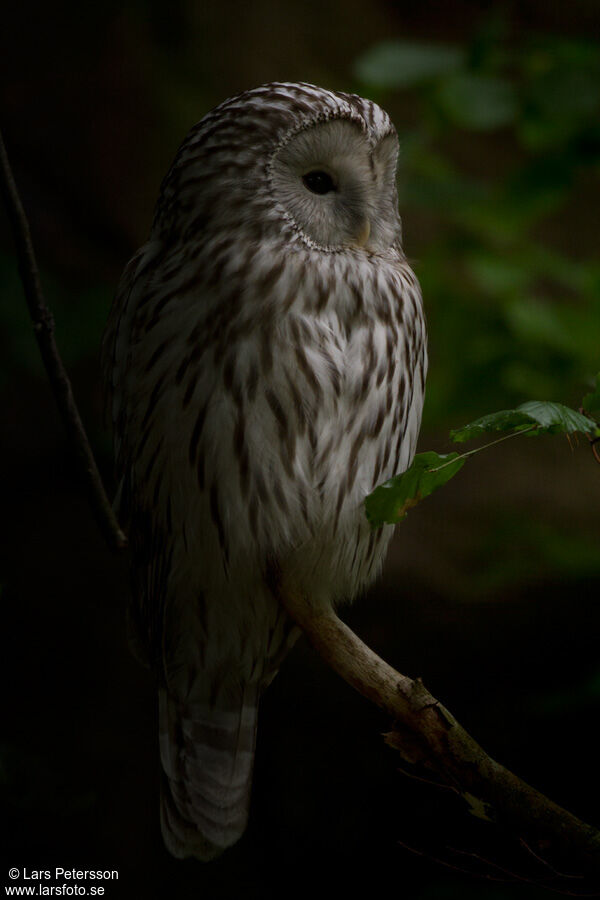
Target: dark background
491	588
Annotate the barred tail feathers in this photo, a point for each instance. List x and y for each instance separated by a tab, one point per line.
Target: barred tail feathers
207	757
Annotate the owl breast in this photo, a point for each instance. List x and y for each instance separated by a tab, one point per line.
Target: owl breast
314	398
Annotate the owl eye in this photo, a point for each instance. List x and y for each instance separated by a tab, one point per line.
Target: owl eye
318	182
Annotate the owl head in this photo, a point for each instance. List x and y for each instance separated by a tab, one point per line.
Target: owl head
313	166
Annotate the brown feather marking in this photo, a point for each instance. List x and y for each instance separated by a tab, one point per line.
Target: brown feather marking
311	378
299	409
196	433
156	355
181	370
252	381
215	514
241	451
152	403
266	351
189	391
152	461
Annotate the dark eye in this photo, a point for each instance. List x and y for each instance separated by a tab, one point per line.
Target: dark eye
318	182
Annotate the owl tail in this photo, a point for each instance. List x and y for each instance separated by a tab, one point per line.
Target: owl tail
207	756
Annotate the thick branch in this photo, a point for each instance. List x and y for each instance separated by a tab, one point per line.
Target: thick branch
43	326
426	734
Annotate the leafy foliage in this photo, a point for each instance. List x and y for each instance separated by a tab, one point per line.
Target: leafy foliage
547	417
499	190
390	502
500	145
402	64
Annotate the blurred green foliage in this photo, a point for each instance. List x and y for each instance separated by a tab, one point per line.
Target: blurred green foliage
537	551
499	175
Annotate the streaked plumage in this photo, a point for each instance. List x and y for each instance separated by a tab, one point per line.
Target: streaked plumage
266	361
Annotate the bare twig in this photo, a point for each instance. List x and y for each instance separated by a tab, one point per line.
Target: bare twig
545	863
43	326
426	734
594	441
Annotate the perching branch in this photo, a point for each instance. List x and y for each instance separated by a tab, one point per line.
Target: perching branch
43	326
427	735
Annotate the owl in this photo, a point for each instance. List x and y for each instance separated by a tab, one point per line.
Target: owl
266	358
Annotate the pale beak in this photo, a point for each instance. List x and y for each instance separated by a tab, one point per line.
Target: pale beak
364	234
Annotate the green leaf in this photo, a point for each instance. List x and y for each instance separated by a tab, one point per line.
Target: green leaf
390	502
505	420
548	417
591	401
479	102
400	64
554	418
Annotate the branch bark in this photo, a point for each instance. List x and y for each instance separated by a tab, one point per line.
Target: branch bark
43	327
427	735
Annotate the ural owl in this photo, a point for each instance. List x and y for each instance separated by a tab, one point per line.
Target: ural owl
266	361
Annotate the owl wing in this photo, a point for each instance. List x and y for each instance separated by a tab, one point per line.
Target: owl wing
149	540
206	743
